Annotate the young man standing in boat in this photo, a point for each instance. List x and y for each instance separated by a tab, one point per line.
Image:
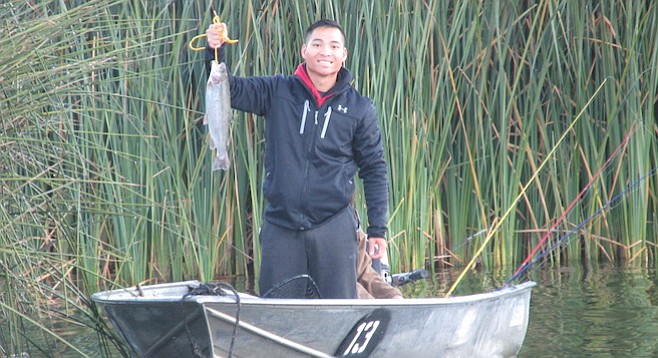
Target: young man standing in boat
319	133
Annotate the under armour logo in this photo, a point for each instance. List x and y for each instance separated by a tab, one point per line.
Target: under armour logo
342	109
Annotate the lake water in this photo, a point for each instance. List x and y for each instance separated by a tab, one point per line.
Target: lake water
605	311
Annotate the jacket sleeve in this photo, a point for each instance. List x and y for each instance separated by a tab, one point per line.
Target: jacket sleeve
373	171
248	94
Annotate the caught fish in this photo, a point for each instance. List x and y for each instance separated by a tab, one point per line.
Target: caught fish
218	114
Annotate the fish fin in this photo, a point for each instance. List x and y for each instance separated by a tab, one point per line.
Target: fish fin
221	162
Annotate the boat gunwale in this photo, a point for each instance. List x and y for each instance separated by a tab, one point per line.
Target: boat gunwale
129	296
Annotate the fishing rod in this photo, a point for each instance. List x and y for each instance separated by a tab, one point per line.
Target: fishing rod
574	201
524	267
499	223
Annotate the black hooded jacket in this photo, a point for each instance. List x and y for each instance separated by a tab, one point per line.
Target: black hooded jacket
315	144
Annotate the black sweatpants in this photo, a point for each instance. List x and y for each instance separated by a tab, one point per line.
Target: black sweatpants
326	253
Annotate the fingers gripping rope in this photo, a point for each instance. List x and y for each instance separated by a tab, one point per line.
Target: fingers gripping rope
223	35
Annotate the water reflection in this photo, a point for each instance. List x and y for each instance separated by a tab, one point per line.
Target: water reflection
606	311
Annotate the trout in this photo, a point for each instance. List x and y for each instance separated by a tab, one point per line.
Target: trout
218	114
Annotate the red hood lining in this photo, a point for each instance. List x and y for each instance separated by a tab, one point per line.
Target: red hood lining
303	75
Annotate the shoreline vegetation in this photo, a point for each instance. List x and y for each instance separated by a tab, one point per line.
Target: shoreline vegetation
504	122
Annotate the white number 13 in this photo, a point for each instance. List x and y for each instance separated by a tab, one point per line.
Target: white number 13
369	329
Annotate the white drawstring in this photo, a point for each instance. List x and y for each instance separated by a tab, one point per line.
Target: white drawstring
327	116
307	108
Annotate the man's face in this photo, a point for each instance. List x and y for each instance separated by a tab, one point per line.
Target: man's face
324	52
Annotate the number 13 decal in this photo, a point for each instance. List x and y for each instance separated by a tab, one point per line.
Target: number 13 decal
366	334
367	328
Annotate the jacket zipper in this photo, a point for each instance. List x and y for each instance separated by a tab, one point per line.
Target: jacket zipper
309	149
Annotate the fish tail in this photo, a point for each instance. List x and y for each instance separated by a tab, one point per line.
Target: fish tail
221	162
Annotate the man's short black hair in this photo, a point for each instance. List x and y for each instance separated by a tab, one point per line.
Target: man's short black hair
324	23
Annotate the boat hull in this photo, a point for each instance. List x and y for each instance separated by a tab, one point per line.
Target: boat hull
162	324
